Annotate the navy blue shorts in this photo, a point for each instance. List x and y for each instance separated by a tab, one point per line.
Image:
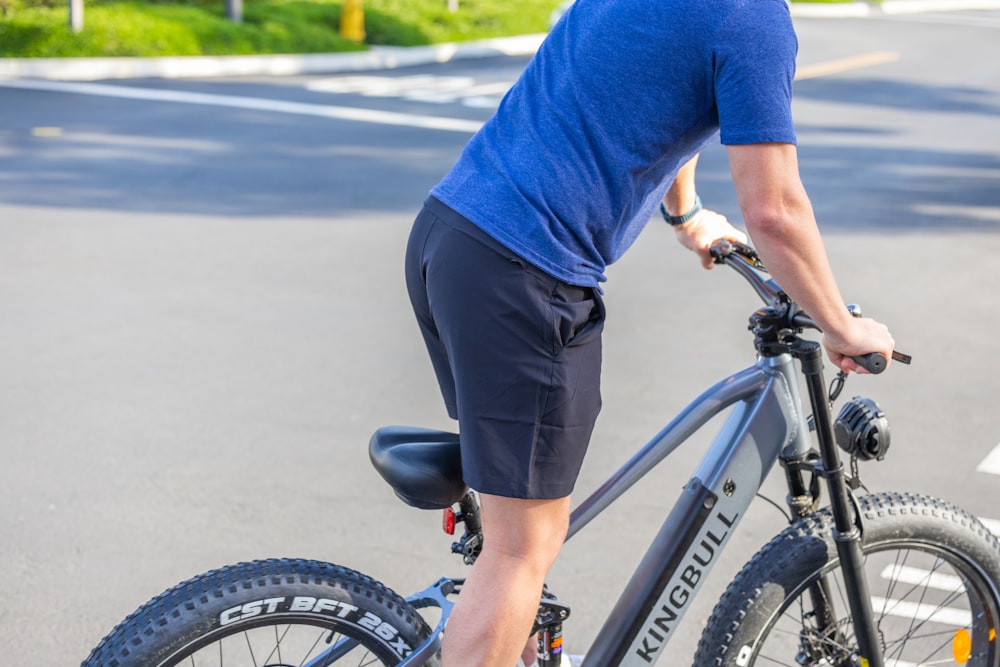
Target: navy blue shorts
516	351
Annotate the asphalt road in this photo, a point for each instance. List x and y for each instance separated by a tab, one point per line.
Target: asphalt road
203	317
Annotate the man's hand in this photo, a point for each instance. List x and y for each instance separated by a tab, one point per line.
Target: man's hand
863	336
698	234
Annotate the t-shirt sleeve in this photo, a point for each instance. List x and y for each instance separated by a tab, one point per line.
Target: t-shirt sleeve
754	71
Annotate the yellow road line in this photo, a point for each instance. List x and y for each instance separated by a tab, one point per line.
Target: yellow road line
845	64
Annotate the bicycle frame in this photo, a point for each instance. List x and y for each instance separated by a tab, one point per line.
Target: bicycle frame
766	423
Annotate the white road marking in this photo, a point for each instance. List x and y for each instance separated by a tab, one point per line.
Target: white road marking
426	88
991	464
959	618
392	86
916	576
419	88
992	525
255	104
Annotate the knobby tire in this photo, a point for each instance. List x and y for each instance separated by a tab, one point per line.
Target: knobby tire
270	613
934	577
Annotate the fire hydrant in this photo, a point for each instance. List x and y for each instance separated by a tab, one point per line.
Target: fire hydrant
352	21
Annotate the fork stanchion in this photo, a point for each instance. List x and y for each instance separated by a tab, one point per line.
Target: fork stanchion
847	531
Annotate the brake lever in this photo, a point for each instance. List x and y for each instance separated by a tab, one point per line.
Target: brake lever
722	248
904	359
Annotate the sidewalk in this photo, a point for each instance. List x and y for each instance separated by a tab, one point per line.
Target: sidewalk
378	57
382	57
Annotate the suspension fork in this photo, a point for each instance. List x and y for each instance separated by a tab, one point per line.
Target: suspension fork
847	531
803	499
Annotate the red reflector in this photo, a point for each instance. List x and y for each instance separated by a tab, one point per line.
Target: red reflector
448	521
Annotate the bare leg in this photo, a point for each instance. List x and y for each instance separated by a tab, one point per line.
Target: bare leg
495	611
530	653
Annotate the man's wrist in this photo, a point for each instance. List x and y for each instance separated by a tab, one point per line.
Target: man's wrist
687	216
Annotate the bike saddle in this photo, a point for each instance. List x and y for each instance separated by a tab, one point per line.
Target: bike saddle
423	466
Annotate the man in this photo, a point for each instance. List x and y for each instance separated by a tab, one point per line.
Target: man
504	262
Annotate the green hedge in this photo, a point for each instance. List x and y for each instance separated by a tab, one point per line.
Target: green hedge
39	28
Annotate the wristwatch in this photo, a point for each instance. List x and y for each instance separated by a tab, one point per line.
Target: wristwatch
675	220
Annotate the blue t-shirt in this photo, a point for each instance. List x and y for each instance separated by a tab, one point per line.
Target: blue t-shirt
620	95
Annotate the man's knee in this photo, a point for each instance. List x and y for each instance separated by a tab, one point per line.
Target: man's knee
526	529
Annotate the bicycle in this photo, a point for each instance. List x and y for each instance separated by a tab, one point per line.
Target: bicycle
872	580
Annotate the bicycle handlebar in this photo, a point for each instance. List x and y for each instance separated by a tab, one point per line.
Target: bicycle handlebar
744	260
873	362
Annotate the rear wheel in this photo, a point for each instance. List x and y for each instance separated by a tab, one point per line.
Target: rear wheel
934	577
273	613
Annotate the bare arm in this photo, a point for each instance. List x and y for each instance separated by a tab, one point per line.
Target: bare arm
780	219
700	232
681	195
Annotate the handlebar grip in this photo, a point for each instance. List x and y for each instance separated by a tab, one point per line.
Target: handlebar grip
873	362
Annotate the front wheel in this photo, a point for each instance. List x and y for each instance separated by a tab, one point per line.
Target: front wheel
271	613
934	577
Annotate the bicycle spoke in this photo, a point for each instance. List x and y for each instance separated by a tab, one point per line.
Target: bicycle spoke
278	643
246	635
312	649
920	602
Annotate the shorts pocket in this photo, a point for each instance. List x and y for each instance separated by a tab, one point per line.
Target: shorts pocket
578	315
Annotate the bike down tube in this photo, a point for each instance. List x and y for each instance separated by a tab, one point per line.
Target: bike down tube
765	422
739	387
744	385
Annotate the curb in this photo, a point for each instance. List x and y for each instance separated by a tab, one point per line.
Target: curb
386	57
378	57
887	8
